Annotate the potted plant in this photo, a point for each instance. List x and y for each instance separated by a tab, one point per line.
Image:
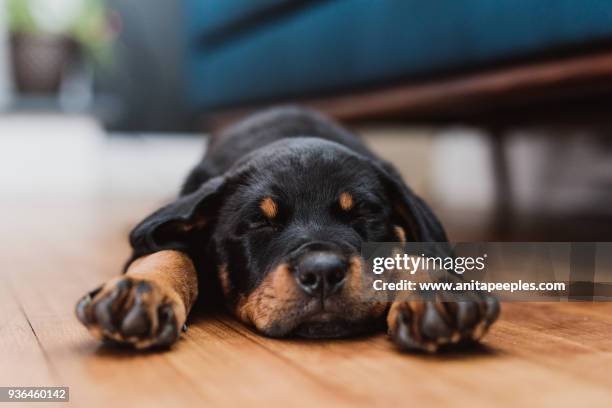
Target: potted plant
47	36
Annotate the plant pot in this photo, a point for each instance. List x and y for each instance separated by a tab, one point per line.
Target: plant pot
40	61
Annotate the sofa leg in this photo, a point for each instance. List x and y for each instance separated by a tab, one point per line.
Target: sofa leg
503	217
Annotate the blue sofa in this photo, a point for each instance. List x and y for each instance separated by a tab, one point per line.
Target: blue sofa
244	51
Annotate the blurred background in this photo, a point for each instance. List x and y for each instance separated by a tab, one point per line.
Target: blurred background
497	112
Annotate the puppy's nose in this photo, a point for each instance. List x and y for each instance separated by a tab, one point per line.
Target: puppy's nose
321	274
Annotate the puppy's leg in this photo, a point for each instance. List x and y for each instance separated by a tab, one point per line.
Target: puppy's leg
147	306
425	325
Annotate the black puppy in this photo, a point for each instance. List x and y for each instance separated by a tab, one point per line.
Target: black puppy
272	220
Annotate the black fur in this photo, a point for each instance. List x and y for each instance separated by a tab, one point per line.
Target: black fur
303	161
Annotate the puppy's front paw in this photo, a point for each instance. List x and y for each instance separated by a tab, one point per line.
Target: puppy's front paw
133	311
426	325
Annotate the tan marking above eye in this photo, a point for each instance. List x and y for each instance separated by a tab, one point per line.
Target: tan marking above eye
270	300
346	201
268	207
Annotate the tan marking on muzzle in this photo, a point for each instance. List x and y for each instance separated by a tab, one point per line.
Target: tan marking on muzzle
269	300
354	282
400	233
358	292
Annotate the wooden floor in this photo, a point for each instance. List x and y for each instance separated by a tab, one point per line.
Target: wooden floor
55	245
537	355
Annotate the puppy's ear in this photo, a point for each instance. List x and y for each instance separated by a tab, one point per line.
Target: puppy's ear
409	210
174	226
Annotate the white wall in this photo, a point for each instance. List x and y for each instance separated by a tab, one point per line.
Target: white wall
5	86
50	157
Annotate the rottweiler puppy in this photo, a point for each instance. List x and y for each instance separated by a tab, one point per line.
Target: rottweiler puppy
272	221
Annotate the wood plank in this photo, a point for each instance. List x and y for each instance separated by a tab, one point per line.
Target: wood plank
515	367
22	359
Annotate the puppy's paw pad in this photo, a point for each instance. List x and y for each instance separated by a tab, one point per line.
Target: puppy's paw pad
430	325
132	311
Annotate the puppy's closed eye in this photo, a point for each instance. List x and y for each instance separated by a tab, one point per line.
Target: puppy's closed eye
256	222
372	209
358	209
362	215
261	223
